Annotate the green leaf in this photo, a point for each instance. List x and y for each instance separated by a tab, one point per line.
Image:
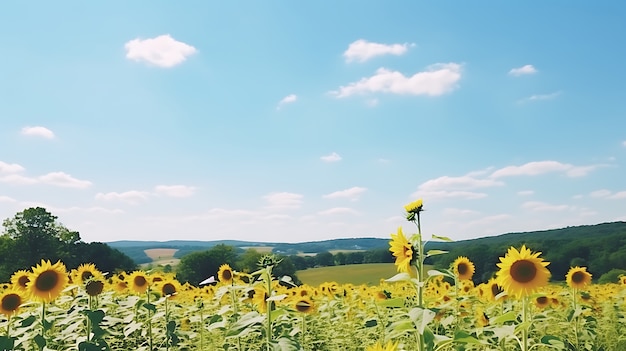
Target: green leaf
395	302
443	238
461	336
503	318
421	317
400	277
27	322
435	252
40	341
7	342
371	323
149	307
553	341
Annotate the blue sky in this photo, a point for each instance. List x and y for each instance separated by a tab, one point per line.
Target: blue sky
291	121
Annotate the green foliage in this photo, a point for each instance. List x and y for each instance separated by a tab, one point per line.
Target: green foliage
200	265
34	234
611	276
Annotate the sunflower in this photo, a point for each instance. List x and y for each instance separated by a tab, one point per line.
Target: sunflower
138	282
413	208
304	305
259	298
170	288
522	272
463	268
493	289
402	249
94	287
481	318
47	281
622	279
19	279
542	301
85	272
391	346
225	274
578	277
10	301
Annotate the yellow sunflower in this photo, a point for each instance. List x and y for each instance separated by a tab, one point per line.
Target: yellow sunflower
47	281
138	282
170	288
19	279
542	301
85	272
578	277
402	249
10	301
391	346
463	268
225	274
522	272
493	289
259	298
413	208
622	279
304	305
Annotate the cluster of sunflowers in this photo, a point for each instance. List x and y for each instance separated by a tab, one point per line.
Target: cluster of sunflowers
49	308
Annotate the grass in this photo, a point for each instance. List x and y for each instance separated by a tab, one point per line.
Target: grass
367	273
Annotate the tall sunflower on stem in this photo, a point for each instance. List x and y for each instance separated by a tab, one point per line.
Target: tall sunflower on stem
521	274
577	278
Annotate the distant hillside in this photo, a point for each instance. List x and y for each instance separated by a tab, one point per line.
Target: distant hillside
600	247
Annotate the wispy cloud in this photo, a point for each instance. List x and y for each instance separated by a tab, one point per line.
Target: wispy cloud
333	157
132	197
540	97
38	131
283	200
445	194
607	194
10	167
352	193
162	51
525	192
538	206
64	180
291	98
363	50
6	199
338	211
436	80
524	70
624	143
446	187
542	167
175	190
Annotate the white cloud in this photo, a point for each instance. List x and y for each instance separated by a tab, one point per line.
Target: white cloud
526	69
489	220
162	51
333	157
38	131
600	193
525	192
540	97
338	211
618	195
132	197
542	167
624	143
175	190
10	167
284	200
463	182
17	179
6	199
444	194
538	206
363	50
351	193
64	180
437	80
291	98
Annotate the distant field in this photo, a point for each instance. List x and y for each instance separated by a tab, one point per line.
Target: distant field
368	273
259	249
162	256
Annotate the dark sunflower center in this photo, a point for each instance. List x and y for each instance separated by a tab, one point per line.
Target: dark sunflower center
157	279
495	289
578	277
542	300
94	287
227	274
11	302
408	250
47	281
523	271
140	281
86	275
303	306
168	289
463	268
22	281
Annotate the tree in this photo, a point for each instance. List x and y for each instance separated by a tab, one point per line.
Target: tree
325	259
200	265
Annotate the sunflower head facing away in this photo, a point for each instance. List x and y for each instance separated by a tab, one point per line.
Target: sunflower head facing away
10	301
413	209
402	250
463	268
47	281
578	277
522	272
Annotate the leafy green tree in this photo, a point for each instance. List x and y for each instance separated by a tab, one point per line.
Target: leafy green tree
200	265
324	259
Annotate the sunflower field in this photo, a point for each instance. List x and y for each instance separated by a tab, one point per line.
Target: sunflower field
49	308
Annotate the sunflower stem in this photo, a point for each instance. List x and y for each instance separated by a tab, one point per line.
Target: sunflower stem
420	276
149	320
524	319
574	305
